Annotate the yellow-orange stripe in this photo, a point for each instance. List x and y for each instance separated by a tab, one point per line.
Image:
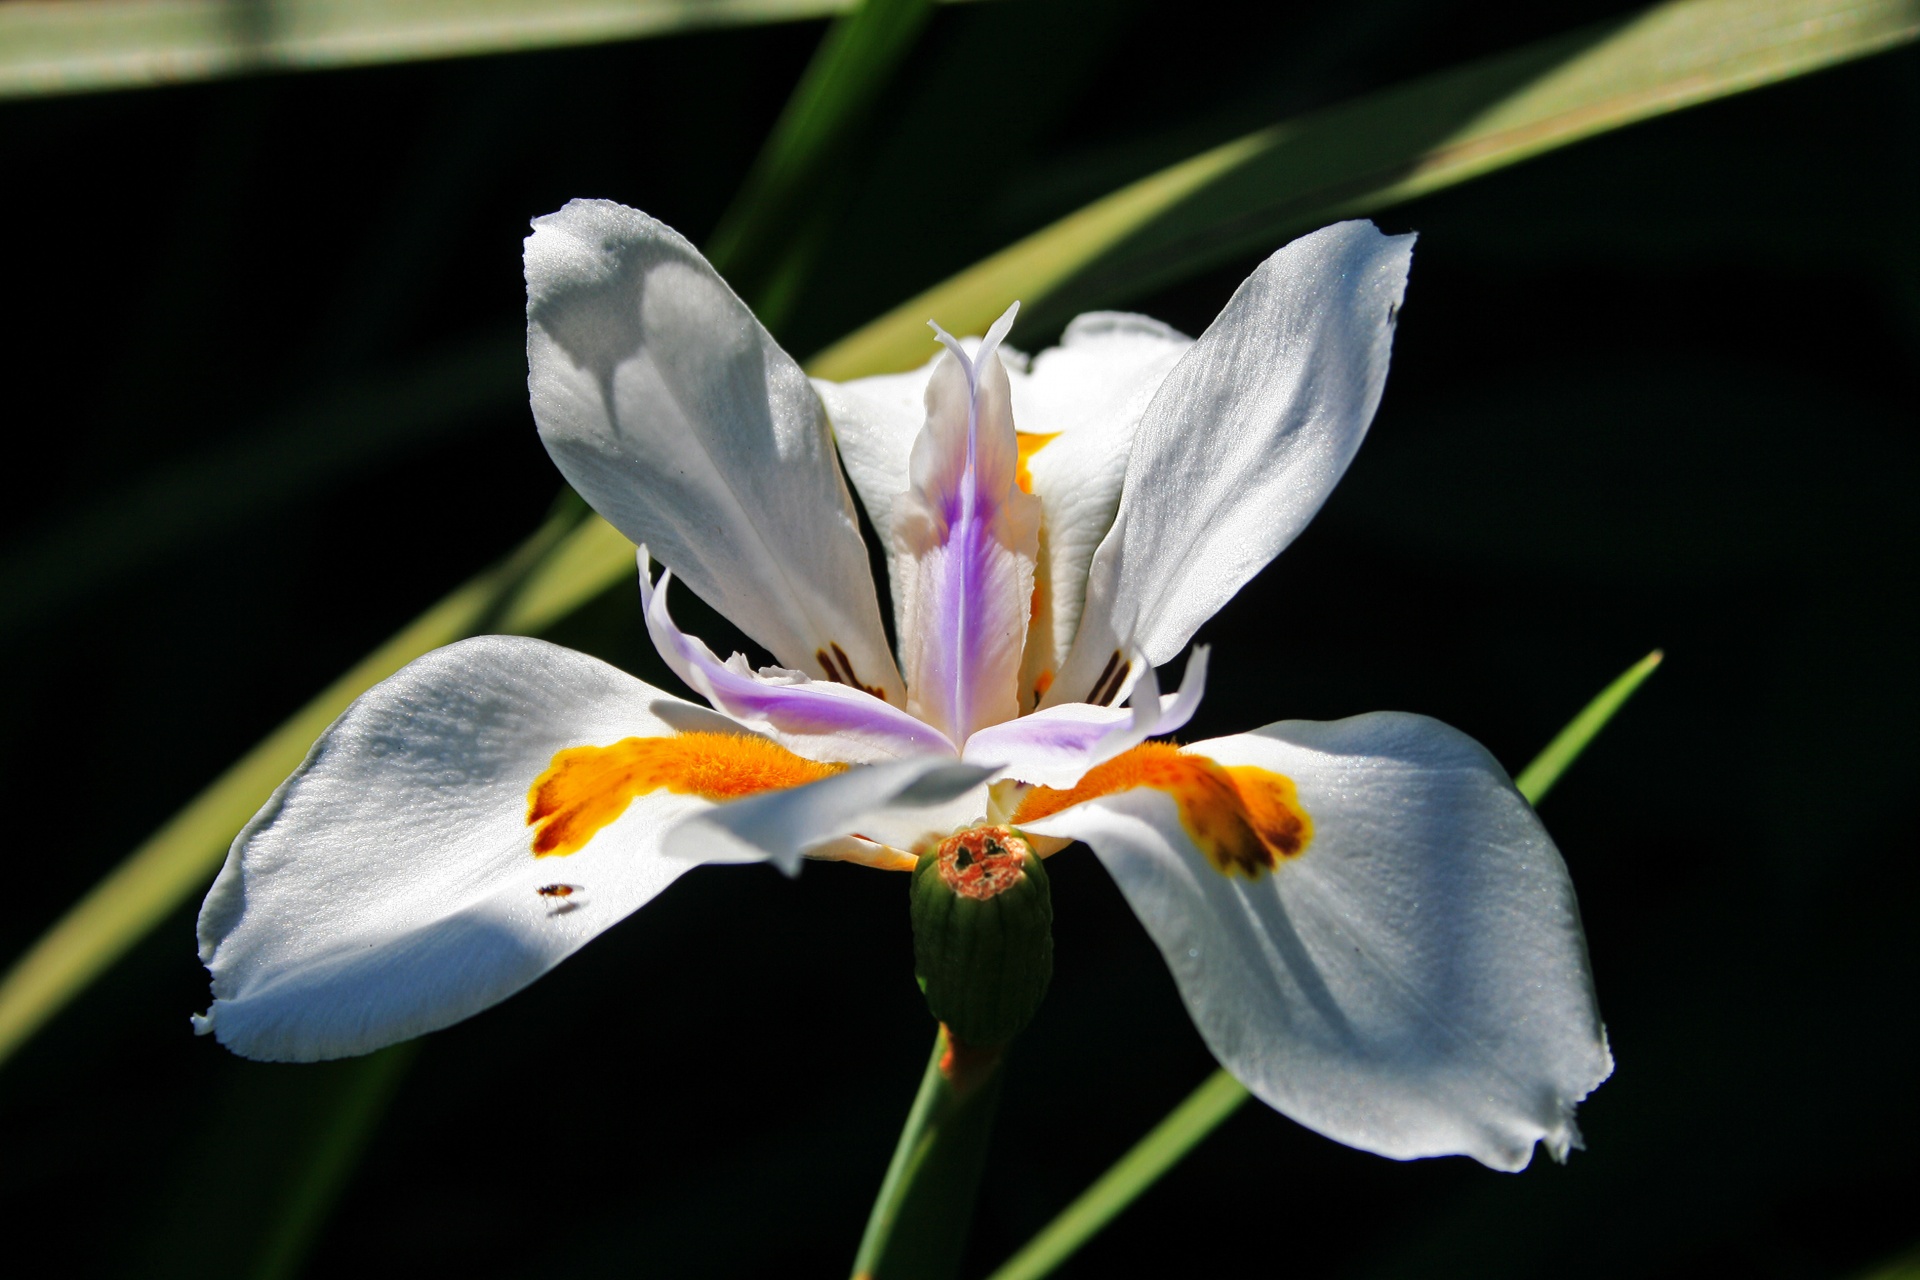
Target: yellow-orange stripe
588	788
1246	820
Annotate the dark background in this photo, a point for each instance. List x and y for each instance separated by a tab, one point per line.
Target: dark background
1658	389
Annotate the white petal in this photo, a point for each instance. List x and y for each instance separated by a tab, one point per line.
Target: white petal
1089	393
1054	747
896	805
965	540
389	887
668	406
818	719
1242	443
1415	982
875	422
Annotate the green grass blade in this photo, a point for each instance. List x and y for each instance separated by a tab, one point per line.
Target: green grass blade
1221	1094
326	1169
349	429
1904	1267
1538	777
856	60
80	46
1380	150
1119	1186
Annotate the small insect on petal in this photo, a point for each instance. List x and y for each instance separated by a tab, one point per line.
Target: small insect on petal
588	788
1246	820
561	896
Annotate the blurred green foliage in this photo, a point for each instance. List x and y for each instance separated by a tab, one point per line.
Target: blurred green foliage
76	46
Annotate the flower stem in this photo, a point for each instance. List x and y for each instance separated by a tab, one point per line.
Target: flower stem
1119	1186
918	1227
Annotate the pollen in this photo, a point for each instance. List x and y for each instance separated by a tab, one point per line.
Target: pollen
983	862
1028	443
588	788
1246	820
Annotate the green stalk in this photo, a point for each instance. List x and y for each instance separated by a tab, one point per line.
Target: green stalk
356	1113
1221	1095
769	234
1538	778
918	1227
1121	1185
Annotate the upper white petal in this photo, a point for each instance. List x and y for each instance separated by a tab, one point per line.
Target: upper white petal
875	421
389	886
1244	440
1089	392
1416	982
671	410
965	539
1097	383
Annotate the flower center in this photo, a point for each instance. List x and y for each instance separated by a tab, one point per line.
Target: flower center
588	788
983	862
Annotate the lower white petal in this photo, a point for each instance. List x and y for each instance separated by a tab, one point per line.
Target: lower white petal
1415	982
894	805
389	887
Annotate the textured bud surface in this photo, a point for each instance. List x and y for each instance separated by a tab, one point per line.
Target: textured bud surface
983	933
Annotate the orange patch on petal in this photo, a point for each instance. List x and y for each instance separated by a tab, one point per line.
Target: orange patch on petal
1028	443
587	788
1244	819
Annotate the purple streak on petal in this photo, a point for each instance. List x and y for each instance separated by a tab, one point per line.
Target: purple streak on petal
971	536
813	718
1056	746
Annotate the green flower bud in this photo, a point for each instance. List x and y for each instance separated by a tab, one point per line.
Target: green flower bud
982	933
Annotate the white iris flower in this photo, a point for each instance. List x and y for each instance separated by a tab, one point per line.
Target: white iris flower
1369	926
